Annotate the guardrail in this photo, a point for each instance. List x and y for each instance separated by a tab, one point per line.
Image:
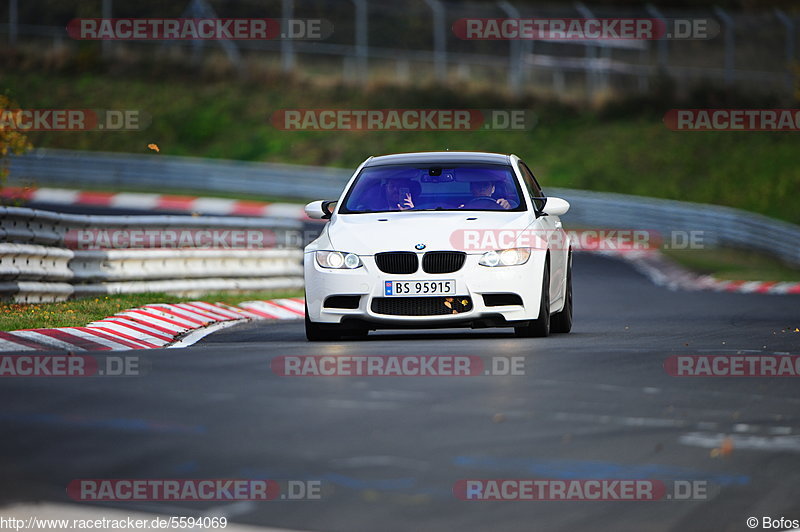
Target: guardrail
164	172
42	260
717	225
720	225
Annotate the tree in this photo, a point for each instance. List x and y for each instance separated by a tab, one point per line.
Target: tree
12	141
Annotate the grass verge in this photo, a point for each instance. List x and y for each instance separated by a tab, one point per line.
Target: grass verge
734	264
627	150
79	312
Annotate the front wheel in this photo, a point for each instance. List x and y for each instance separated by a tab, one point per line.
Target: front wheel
316	333
561	322
540	327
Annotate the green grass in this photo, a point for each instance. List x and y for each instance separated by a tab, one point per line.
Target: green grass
79	312
734	264
626	150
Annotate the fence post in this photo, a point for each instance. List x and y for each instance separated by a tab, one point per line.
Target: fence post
13	21
663	43
788	23
105	44
287	46
591	55
362	49
514	52
730	44
439	36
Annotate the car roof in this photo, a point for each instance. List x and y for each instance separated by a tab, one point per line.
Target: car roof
440	157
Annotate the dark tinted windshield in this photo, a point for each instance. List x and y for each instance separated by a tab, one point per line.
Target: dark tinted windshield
411	187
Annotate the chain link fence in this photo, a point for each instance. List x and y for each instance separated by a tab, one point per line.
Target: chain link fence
413	42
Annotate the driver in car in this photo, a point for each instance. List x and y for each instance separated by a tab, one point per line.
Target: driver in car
483	190
398	194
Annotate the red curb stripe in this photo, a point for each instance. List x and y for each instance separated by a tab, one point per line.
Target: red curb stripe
21	193
217	313
23	341
91	197
204	313
154	326
249	208
262	313
157	317
216	307
176	202
734	286
113	319
114	337
83	343
114	333
168	309
765	286
298	312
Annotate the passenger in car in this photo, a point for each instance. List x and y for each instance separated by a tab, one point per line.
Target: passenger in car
482	196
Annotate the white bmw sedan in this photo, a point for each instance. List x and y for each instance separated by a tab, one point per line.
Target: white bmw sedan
439	239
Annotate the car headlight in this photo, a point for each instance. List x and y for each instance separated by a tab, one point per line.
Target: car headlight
505	257
338	260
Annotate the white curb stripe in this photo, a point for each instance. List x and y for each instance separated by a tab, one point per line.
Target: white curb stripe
207	314
134	200
291	304
47	340
161	336
165	317
141	328
183	314
140	315
216	309
56	195
124	335
8	345
280	313
97	339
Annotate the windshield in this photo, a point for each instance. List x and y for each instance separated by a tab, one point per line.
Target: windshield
412	187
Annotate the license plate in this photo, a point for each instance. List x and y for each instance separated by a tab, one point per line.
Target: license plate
446	287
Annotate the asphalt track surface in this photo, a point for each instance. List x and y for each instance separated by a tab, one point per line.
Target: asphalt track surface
595	403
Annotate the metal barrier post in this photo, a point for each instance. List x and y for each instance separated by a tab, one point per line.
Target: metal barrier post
439	36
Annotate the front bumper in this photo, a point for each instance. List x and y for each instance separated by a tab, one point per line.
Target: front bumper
472	280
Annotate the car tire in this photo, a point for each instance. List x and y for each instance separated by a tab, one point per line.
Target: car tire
561	321
317	333
540	327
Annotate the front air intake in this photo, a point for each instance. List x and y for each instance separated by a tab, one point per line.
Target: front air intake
443	261
397	262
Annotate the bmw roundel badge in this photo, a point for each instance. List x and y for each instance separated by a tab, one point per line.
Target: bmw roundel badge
419	246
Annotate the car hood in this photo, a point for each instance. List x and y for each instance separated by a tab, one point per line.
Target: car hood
367	234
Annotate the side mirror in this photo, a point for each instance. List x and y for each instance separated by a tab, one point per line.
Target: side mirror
320	209
556	206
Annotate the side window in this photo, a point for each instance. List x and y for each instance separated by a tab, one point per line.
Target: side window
533	187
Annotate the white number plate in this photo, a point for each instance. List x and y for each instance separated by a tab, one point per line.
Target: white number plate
445	287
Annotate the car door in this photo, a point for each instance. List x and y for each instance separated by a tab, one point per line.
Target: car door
550	226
